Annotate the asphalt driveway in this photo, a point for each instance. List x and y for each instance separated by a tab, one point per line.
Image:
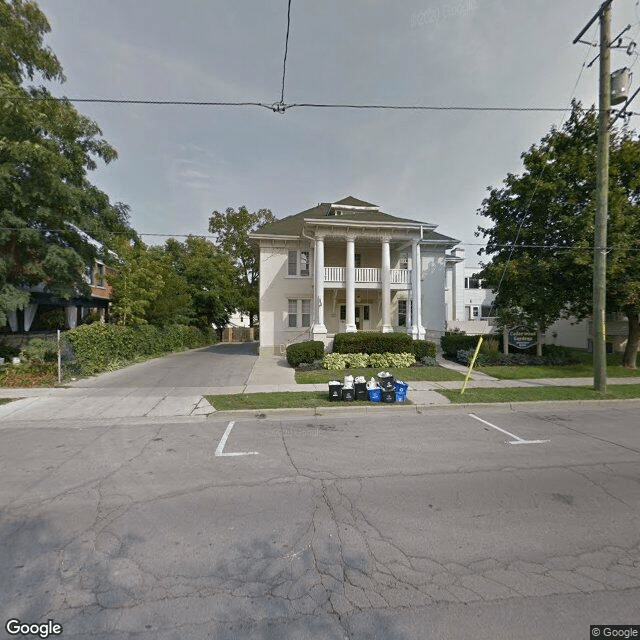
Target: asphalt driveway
220	365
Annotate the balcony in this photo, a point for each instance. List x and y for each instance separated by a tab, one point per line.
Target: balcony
366	278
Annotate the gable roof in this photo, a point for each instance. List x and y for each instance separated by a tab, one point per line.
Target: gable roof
350	201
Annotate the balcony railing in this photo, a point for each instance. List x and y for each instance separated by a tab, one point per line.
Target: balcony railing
366	275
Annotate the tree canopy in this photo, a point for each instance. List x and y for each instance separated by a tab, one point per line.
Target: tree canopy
541	241
49	210
232	229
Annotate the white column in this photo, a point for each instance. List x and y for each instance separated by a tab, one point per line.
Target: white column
351	285
421	330
319	328
386	286
416	321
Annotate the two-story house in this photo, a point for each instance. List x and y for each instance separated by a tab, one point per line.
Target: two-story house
347	266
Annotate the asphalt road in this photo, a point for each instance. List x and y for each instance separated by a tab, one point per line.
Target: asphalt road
220	365
401	526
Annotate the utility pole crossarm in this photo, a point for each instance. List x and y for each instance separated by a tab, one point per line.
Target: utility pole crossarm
605	5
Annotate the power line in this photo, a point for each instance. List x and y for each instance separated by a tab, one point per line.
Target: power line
286	49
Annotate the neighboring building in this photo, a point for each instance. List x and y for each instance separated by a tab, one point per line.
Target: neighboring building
347	266
43	303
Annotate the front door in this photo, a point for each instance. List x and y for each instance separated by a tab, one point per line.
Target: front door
362	317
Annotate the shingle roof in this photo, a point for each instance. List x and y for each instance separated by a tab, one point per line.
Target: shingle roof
292	225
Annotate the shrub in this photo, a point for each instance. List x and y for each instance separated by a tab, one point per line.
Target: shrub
390	360
429	361
423	349
372	342
98	347
334	361
39	351
304	352
358	360
7	352
453	341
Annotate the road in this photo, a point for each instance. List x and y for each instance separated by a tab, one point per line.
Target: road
401	526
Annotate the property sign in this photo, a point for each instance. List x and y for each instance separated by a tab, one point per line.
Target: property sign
522	337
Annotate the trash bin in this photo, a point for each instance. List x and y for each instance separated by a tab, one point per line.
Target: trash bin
386	381
401	391
374	394
335	391
348	394
388	395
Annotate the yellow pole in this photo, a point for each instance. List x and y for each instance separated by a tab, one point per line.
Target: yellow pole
473	361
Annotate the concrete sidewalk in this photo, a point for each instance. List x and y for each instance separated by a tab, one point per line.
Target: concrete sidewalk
268	374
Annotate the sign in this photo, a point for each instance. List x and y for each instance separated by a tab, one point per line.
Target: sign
522	337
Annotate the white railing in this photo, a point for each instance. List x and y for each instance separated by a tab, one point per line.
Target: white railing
400	276
367	275
334	274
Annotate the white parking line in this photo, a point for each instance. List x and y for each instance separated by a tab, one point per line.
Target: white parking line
516	439
223	441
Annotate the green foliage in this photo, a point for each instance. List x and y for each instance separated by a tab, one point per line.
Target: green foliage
453	341
372	342
47	204
334	361
50	319
7	351
423	349
305	352
551	355
337	361
39	351
429	361
99	347
232	229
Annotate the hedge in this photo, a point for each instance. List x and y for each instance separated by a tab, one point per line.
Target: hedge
454	341
372	342
97	347
305	352
338	361
424	349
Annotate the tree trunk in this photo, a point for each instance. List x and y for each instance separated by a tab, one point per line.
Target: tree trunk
505	340
633	340
539	342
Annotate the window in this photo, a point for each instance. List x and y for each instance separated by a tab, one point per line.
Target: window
298	263
404	312
357	260
100	275
299	313
365	312
343	312
404	261
471	283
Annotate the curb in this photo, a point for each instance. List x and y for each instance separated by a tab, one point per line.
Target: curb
423	408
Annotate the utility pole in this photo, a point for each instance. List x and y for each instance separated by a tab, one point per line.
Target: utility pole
602	199
602	204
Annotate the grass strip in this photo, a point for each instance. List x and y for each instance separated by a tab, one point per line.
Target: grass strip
408	374
521	372
525	394
5	400
284	400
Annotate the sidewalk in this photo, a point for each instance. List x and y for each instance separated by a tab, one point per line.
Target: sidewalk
269	374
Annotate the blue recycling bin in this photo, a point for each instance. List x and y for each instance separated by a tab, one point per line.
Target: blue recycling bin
375	394
401	391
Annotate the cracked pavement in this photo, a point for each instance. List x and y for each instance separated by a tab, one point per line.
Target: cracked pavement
398	526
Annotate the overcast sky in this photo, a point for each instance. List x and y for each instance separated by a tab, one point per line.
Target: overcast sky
179	163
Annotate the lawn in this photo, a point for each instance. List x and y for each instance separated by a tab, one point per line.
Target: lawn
5	400
408	374
284	400
524	394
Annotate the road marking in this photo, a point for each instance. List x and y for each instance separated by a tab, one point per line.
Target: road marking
516	439
223	441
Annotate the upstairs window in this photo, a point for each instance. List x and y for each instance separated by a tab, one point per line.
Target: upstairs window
298	263
471	283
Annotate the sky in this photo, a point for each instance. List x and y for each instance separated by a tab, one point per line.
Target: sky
177	164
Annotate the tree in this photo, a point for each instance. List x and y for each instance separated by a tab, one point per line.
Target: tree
541	241
210	277
232	229
48	208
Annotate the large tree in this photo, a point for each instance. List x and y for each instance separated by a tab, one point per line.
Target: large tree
232	229
541	240
49	211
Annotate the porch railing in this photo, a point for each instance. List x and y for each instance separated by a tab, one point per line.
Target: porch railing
368	275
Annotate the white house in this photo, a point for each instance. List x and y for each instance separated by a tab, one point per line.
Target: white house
347	266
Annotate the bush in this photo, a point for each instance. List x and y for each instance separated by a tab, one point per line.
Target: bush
7	352
305	352
358	360
552	356
334	361
39	351
98	347
423	349
390	360
454	341
372	342
429	361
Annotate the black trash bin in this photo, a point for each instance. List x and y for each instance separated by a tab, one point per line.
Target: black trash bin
361	391
386	382
348	394
335	391
388	395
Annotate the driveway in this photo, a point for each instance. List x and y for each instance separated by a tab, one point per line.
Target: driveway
170	386
220	365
